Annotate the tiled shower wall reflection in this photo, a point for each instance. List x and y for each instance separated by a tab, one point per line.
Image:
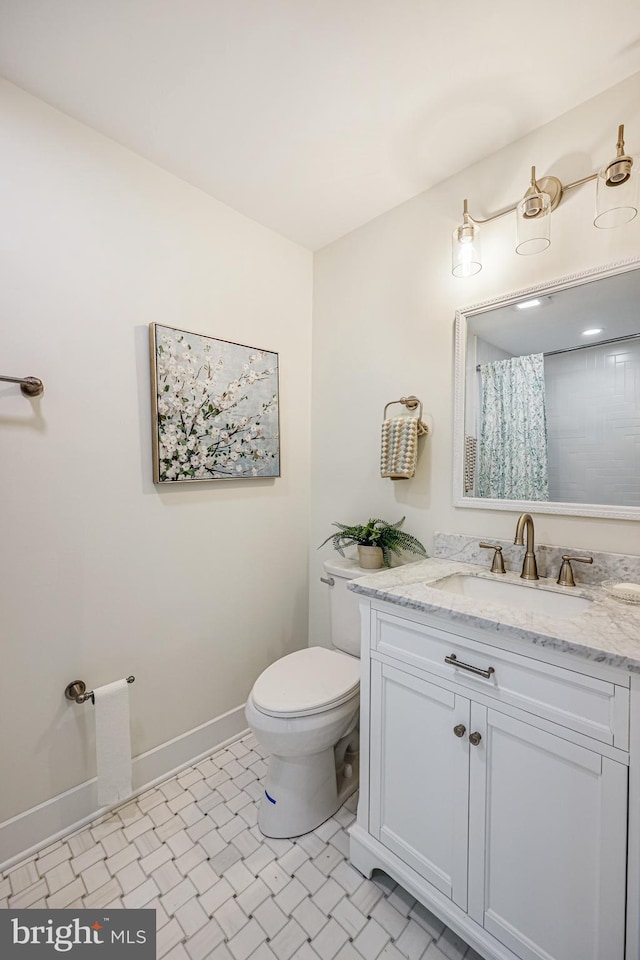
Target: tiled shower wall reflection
593	421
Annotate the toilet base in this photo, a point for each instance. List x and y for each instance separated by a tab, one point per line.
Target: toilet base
302	792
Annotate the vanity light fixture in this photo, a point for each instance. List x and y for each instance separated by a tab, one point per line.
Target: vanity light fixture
466	247
592	332
615	207
616	203
533	223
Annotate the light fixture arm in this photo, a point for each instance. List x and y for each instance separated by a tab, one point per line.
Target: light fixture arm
544	184
465	230
551	185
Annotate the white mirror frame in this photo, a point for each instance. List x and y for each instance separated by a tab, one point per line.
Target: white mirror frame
538	506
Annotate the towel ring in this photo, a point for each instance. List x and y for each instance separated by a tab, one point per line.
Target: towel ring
410	403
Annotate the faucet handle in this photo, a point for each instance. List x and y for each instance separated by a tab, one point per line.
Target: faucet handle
498	563
565	577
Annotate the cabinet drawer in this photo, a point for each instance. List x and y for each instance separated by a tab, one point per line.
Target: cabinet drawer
595	708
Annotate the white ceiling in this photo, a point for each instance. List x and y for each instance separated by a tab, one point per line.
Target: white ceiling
314	116
610	304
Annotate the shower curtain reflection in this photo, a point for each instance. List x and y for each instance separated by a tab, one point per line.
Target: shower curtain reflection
512	456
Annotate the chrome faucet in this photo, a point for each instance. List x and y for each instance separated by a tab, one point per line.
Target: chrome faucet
529	565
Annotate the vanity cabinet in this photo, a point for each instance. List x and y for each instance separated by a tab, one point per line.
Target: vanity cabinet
413	748
498	797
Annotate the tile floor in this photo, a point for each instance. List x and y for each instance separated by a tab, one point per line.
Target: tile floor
191	849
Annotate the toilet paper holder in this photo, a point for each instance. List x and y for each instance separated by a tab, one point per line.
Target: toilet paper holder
77	691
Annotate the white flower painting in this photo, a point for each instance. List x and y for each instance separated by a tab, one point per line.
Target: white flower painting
215	408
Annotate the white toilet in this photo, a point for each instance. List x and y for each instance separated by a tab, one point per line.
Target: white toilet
304	711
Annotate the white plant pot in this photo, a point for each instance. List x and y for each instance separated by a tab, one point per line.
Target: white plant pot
370	558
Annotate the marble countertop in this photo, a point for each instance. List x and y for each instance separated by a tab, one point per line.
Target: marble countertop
608	632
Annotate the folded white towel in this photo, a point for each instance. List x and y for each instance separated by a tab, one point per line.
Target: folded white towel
399	447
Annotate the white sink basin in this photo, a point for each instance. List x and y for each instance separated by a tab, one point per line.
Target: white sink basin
516	596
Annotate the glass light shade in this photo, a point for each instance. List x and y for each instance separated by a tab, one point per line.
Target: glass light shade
466	250
616	193
533	224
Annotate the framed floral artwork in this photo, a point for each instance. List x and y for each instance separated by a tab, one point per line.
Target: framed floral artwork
214	408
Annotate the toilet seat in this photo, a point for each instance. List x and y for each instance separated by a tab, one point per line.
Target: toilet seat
306	682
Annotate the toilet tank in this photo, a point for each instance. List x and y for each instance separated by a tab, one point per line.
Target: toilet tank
345	607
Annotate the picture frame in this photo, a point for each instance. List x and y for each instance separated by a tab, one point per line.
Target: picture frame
215	408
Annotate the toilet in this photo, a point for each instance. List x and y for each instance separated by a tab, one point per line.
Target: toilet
304	710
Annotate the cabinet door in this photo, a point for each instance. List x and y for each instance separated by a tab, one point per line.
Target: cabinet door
547	848
419	783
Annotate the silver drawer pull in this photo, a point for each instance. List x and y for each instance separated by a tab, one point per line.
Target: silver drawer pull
453	660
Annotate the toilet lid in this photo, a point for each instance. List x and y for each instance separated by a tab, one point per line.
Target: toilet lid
306	681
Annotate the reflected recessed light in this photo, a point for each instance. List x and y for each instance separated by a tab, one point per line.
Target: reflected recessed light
527	303
592	332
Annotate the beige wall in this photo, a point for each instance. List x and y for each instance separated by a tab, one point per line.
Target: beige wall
194	589
384	306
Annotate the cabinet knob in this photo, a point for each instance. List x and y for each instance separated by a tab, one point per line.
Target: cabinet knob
475	738
460	730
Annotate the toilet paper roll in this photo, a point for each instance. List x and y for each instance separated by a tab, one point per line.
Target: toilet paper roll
113	742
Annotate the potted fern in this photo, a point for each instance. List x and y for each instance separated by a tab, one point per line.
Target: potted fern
377	540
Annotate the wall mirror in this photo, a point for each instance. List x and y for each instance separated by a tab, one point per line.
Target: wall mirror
547	398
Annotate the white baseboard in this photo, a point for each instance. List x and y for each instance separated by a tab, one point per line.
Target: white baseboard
25	834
